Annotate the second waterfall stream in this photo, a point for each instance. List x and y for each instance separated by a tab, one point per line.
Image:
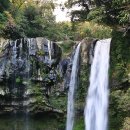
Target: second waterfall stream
96	115
72	87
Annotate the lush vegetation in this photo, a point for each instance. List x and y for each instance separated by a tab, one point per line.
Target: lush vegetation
112	12
97	19
119	109
31	19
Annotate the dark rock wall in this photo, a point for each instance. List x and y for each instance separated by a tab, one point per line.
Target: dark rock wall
28	70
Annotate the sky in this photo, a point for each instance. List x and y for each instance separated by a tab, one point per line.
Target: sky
61	15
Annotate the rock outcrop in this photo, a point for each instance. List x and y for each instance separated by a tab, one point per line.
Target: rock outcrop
87	50
28	70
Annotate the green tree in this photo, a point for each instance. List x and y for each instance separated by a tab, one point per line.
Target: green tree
40	19
28	19
103	11
4	4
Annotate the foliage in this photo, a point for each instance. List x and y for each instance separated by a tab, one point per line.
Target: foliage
119	108
18	80
109	12
40	21
93	30
126	124
28	19
67	47
78	15
40	53
79	124
119	70
64	31
120	60
96	15
59	102
3	20
4	4
40	98
84	81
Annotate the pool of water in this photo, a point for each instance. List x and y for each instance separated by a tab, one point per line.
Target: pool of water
25	122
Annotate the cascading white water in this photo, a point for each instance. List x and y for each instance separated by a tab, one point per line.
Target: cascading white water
14	55
49	49
97	99
72	87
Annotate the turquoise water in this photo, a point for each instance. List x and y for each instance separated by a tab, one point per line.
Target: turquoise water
22	122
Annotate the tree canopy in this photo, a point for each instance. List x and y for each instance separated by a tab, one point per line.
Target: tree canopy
26	18
110	12
4	4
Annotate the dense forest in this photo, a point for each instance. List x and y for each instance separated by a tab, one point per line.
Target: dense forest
96	19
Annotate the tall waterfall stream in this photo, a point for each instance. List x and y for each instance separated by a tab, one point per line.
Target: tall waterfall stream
97	98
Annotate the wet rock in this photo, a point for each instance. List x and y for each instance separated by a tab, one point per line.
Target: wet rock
28	70
63	66
87	50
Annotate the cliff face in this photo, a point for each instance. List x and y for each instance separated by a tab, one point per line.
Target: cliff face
28	70
33	73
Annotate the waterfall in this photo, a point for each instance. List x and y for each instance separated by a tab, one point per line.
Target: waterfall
49	49
14	51
97	99
72	87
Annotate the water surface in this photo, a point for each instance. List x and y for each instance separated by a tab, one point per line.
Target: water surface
24	122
